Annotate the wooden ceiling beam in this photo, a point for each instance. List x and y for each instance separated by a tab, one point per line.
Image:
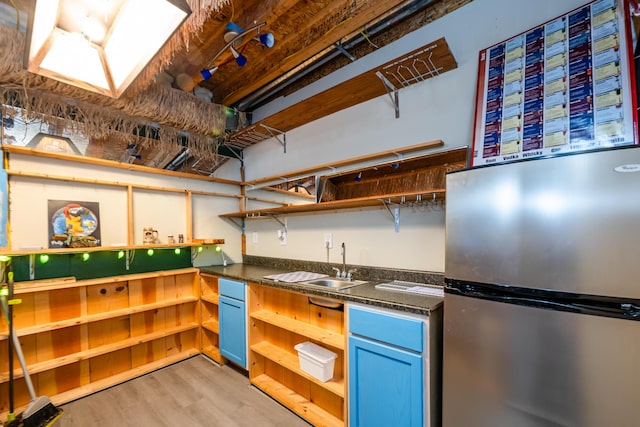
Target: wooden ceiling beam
291	52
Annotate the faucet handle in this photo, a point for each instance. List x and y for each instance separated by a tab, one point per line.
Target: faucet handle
350	273
337	271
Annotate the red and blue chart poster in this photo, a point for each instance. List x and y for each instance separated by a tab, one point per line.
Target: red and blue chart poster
565	86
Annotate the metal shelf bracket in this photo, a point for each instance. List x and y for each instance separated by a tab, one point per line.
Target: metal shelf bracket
395	215
392	91
238	222
282	223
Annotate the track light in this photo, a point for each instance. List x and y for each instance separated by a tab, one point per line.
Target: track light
241	60
232	31
266	39
234	37
206	74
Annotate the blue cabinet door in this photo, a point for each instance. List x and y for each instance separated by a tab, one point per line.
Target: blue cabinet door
385	385
233	330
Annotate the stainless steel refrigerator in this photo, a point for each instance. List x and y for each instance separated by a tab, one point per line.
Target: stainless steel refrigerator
542	295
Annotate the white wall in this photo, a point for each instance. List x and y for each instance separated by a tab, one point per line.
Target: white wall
439	108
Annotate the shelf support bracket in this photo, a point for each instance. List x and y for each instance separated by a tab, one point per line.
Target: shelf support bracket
275	133
392	91
236	154
238	222
283	224
395	215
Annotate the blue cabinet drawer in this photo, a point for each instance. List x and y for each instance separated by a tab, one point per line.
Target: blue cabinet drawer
399	331
231	288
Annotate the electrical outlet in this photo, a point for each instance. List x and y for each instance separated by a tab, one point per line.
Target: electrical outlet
328	240
282	235
254	237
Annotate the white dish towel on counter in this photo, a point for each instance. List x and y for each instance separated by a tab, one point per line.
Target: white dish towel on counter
296	276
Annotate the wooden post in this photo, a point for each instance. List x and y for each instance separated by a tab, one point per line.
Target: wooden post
130	238
189	207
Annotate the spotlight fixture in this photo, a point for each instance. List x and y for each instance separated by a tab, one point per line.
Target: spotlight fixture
241	60
358	177
100	46
234	38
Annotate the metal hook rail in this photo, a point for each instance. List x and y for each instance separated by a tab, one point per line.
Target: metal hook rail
419	202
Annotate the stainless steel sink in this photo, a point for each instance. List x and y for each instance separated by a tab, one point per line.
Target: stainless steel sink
334	283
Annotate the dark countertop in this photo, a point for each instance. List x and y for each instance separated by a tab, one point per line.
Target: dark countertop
365	293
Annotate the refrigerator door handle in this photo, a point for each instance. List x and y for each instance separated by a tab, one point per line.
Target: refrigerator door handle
630	310
621	310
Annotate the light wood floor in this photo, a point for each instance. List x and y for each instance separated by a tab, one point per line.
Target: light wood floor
195	392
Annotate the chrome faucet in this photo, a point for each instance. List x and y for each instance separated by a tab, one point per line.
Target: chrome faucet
344	274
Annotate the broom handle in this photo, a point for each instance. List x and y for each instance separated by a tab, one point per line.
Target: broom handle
18	348
10	348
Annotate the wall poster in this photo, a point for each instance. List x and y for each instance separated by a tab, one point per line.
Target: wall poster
73	224
563	87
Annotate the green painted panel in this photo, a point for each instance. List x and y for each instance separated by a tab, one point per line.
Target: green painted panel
100	264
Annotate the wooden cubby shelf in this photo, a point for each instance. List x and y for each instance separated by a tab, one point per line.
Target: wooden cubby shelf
99	316
80	336
98	351
313	332
212	299
290	361
209	300
211	325
296	402
278	321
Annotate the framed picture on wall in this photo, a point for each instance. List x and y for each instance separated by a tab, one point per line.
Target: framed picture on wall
565	86
73	224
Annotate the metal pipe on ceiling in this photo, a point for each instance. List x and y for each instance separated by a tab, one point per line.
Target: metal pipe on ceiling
255	99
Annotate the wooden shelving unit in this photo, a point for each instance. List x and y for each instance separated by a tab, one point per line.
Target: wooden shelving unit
278	320
209	298
419	180
360	202
79	337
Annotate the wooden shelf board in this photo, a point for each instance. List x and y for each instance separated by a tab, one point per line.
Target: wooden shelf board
291	362
212	298
295	402
213	352
76	393
348	162
436	194
316	333
98	351
53	284
111	164
211	325
46	327
18	252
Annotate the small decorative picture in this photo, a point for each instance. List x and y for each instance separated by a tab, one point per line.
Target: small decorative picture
73	224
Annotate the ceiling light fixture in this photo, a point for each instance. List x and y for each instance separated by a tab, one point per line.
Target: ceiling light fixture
99	45
234	37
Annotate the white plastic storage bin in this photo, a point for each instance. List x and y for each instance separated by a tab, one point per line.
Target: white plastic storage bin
316	361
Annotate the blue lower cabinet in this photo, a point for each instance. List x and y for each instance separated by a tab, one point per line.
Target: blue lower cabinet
233	321
385	385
